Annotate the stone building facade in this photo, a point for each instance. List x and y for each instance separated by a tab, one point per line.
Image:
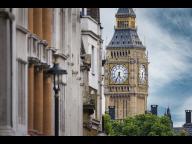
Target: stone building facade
91	70
126	69
32	39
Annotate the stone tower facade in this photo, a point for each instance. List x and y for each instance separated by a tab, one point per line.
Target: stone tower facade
126	69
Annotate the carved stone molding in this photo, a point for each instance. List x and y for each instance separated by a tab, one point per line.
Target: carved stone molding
7	15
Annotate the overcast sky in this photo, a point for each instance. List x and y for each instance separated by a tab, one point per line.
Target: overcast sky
167	35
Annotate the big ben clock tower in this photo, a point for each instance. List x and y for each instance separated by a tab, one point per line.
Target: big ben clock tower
126	69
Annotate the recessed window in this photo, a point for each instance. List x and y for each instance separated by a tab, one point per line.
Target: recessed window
21	83
93	59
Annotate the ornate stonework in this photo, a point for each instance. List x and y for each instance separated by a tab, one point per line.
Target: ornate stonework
126	69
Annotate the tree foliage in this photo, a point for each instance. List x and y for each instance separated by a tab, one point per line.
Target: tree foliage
140	125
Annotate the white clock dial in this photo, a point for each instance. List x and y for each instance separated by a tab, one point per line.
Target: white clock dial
119	74
142	74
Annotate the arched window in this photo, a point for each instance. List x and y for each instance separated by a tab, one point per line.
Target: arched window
112	54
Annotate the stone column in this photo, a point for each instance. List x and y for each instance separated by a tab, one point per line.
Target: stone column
38	95
30	96
37	22
38	99
30	19
6	70
47	25
47	105
47	100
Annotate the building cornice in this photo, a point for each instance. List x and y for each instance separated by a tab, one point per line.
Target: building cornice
92	34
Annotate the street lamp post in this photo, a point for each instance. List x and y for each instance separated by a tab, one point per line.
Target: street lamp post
57	73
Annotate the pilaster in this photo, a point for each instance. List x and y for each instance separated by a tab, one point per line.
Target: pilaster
47	105
30	19
37	22
38	99
6	69
30	97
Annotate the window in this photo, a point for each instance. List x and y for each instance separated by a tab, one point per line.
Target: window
21	75
93	59
21	17
112	54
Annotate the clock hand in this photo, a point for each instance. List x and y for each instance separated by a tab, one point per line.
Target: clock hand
116	79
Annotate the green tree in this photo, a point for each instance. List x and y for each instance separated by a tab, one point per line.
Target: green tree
107	124
140	125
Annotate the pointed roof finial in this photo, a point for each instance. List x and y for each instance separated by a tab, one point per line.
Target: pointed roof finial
126	12
168	111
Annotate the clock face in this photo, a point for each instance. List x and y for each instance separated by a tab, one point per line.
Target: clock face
142	74
119	74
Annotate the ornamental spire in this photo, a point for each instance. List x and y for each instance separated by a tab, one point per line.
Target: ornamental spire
125	18
125	12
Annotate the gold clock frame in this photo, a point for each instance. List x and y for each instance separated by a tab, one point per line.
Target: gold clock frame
126	82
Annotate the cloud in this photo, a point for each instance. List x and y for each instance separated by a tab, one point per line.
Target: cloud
167	35
168	53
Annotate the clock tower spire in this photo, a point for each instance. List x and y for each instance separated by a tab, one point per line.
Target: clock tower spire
126	69
125	18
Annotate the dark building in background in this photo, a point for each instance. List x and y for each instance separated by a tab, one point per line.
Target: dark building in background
187	126
154	109
188	116
168	114
94	13
112	112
